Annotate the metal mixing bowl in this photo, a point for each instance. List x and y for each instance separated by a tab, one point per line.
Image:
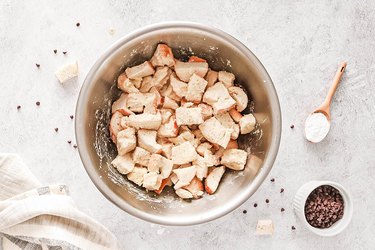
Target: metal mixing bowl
223	52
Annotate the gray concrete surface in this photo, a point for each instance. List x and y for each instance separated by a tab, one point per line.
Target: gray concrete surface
299	42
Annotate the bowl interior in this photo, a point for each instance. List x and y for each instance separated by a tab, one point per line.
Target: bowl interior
99	91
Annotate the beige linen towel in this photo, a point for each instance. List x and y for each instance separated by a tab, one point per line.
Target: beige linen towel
33	216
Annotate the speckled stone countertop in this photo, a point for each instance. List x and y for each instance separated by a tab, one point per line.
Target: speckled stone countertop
299	43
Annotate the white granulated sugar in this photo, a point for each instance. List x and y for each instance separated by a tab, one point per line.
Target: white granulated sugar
316	127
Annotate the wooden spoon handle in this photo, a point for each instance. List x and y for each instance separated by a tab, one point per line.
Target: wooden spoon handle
335	84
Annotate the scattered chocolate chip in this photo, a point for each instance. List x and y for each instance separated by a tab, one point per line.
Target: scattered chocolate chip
273	180
69	142
18	107
56	129
267	201
75	146
282	209
71	117
281	190
55	51
64	52
37	103
324	206
292	126
37	65
78	24
255	205
244	211
293	228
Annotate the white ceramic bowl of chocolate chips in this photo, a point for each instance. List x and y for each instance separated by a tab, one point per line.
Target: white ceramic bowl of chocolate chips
324	207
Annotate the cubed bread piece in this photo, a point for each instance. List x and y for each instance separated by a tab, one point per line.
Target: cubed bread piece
189	116
115	125
67	72
226	120
136	102
136	175
121	105
184	175
216	133
127	85
239	95
234	159
195	188
141	156
196	87
147	140
213	179
163	56
185	70
167	90
184	194
165	115
145	121
169	128
123	163
161	76
236	116
204	147
264	227
164	182
218	97
183	153
169	103
207	110
160	165
247	123
179	87
183	137
126	141
139	71
166	150
159	100
152	181
226	78
146	84
202	168
211	77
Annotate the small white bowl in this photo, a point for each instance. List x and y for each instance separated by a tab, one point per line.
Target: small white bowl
337	227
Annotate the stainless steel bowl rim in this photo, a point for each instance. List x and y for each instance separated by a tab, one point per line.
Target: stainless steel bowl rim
109	194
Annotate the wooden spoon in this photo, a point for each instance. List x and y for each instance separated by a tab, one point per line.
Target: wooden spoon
324	108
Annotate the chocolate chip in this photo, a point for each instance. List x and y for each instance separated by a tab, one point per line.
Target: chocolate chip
18	107
292	126
71	117
37	103
56	129
78	24
55	51
75	146
273	180
267	201
293	228
281	190
244	211
37	65
64	52
282	209
69	142
255	205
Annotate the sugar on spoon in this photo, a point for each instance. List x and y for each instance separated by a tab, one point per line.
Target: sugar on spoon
318	123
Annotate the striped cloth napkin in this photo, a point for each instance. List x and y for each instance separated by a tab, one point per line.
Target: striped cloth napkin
33	216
